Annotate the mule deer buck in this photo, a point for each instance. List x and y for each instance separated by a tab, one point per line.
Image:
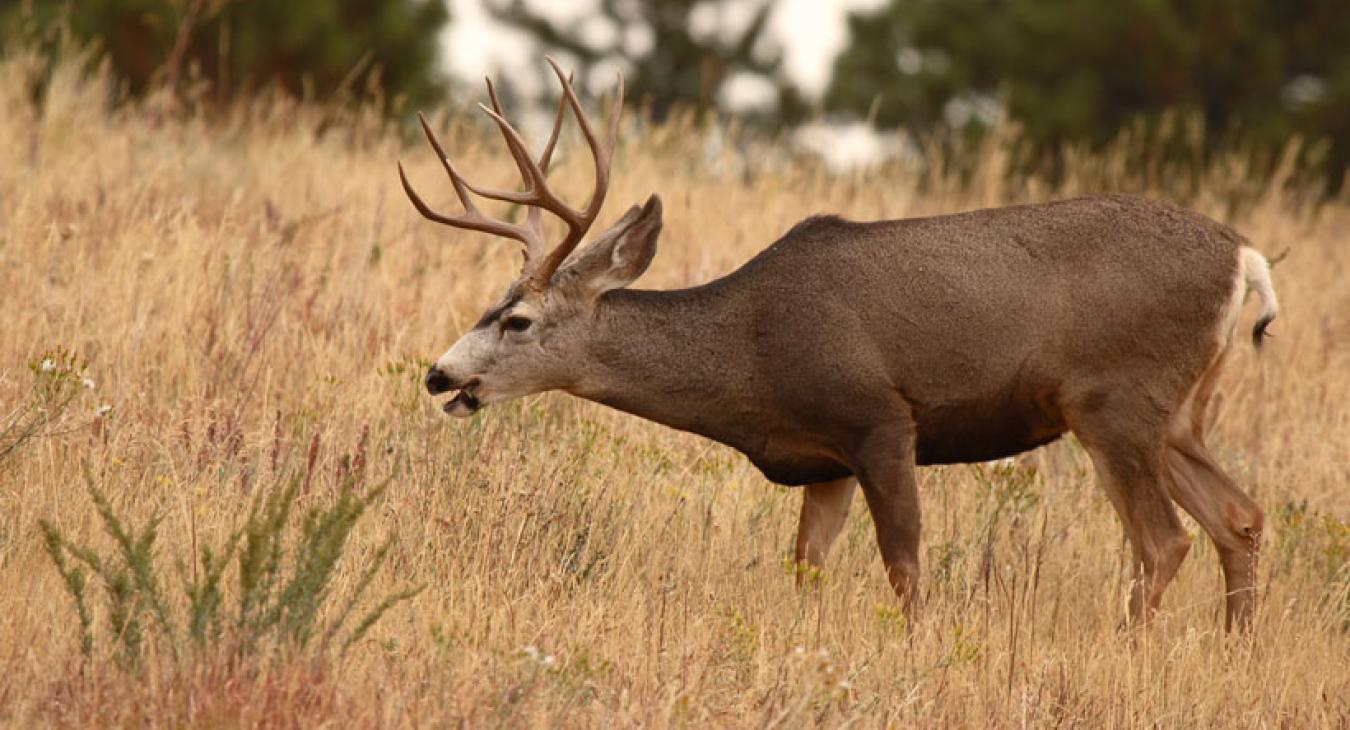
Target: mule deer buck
849	353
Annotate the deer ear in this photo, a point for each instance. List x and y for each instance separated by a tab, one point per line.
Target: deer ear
621	254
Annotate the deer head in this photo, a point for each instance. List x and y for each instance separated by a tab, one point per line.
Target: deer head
532	339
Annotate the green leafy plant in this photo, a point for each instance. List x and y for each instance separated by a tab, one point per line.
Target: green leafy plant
283	594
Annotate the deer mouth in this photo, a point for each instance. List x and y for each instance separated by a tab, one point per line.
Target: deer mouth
465	403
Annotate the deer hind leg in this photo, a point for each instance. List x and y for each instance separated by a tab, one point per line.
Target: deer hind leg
824	511
1232	520
1127	455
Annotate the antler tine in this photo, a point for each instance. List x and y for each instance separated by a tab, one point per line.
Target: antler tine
492	95
558	118
456	179
521	154
532	173
533	216
472	218
536	188
602	157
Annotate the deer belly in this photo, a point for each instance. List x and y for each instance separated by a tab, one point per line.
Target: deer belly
801	473
794	461
961	436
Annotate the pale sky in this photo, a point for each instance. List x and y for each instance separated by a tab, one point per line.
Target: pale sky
810	32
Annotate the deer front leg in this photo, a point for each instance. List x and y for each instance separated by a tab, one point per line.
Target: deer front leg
824	510
885	468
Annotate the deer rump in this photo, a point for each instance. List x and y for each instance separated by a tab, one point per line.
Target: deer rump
977	326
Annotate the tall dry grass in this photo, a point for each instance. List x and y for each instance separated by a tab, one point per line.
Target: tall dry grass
254	294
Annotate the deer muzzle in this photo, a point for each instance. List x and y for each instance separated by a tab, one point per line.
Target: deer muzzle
465	403
438	382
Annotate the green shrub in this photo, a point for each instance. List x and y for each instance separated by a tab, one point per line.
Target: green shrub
283	594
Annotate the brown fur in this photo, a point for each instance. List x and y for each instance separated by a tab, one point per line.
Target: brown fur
866	348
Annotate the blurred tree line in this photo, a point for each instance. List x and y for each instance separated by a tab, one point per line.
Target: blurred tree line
1254	73
1184	78
1244	75
312	48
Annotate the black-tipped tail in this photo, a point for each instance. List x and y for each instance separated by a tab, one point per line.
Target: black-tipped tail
1256	273
1259	333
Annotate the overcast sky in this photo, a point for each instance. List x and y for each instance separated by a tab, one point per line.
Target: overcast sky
810	33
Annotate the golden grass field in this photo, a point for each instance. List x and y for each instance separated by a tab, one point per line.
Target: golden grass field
255	296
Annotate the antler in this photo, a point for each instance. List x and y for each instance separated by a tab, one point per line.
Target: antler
540	261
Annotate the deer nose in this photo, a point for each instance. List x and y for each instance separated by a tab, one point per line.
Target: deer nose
438	382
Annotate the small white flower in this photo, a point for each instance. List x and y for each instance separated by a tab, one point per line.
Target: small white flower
103	410
88	383
845	685
48	365
531	651
549	660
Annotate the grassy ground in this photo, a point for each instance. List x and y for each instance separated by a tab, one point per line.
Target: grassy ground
256	298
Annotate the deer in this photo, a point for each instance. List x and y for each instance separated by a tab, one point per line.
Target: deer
847	354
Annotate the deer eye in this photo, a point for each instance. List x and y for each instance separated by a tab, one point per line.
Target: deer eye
516	324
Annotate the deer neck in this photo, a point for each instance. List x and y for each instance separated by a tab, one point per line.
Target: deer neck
670	357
